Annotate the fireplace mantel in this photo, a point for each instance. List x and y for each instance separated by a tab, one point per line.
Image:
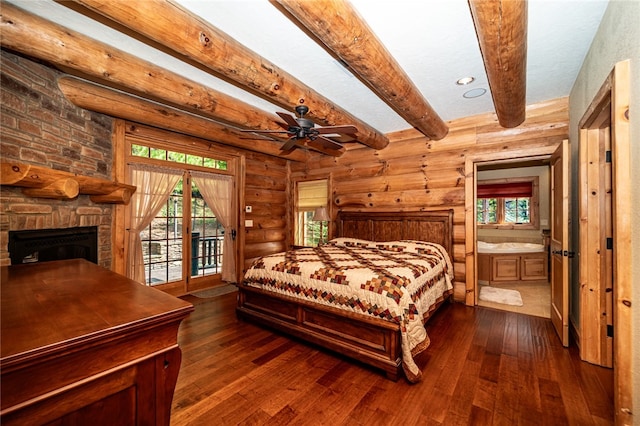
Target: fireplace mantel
44	182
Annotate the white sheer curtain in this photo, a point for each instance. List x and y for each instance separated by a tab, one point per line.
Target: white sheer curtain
154	185
217	191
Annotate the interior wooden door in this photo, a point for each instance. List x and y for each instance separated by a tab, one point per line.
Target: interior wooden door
560	241
606	180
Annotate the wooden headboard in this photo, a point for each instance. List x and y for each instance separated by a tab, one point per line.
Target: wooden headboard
435	226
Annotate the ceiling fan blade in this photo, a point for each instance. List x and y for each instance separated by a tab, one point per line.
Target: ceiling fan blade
291	122
283	125
321	146
328	143
341	138
337	129
289	145
265	131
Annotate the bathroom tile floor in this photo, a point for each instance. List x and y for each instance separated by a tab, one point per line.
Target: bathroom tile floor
536	299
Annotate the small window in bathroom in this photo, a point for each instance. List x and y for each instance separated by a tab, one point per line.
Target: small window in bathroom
508	203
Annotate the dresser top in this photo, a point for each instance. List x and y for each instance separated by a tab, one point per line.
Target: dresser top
53	306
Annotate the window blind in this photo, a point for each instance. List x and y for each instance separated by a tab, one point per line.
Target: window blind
505	190
312	194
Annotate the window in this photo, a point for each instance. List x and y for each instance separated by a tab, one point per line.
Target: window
207	235
162	241
310	195
177	157
183	242
163	246
508	203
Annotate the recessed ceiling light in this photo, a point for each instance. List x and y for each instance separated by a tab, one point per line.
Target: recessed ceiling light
474	93
465	80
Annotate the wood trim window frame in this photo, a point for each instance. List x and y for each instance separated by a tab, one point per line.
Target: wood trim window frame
534	205
126	133
296	241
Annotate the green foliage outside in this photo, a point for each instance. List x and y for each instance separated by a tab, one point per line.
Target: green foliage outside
177	157
487	210
515	210
312	230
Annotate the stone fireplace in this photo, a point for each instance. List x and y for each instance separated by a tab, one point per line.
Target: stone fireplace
39	126
20	214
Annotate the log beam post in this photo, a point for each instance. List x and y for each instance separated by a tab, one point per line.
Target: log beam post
61	189
172	26
350	39
501	26
119	196
76	53
122	105
43	182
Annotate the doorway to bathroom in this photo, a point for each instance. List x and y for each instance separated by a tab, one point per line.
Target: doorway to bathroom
512	236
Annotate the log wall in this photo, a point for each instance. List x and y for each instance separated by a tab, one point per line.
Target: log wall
266	191
414	173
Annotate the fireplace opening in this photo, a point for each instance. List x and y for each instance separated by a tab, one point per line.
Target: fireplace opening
43	245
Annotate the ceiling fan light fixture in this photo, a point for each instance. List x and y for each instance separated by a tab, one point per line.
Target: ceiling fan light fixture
465	80
302	130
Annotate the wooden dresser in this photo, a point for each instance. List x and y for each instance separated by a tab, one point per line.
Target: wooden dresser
84	345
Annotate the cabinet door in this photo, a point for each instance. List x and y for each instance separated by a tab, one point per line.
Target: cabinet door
484	267
505	268
533	267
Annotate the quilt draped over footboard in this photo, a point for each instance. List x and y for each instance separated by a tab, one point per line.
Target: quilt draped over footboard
398	281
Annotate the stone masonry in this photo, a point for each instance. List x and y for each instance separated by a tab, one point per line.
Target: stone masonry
39	126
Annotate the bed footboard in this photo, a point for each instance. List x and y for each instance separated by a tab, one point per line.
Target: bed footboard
369	340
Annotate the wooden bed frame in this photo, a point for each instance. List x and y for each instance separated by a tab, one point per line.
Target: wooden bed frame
372	341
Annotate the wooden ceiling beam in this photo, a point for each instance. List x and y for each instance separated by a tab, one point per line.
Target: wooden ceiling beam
78	54
181	31
501	27
341	30
115	103
83	56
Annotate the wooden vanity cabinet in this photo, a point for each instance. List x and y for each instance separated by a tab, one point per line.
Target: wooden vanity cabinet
84	345
507	267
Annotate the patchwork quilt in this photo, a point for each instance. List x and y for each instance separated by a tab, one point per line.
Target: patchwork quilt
398	281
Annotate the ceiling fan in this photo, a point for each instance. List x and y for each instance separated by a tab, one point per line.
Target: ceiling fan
302	131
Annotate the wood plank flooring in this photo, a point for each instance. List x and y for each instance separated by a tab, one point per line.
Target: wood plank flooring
483	367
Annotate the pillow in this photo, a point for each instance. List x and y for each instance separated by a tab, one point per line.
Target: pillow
351	242
412	246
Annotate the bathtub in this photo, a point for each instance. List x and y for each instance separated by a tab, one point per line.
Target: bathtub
484	247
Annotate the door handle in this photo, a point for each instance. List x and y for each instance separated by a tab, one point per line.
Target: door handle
565	253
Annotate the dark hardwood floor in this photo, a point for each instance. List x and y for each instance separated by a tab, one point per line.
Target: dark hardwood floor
483	367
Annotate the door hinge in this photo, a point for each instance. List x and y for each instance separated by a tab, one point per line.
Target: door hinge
609	330
607	156
609	243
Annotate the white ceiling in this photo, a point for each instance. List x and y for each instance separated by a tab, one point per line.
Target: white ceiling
434	41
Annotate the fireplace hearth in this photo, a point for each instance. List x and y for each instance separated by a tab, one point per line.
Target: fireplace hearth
43	245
